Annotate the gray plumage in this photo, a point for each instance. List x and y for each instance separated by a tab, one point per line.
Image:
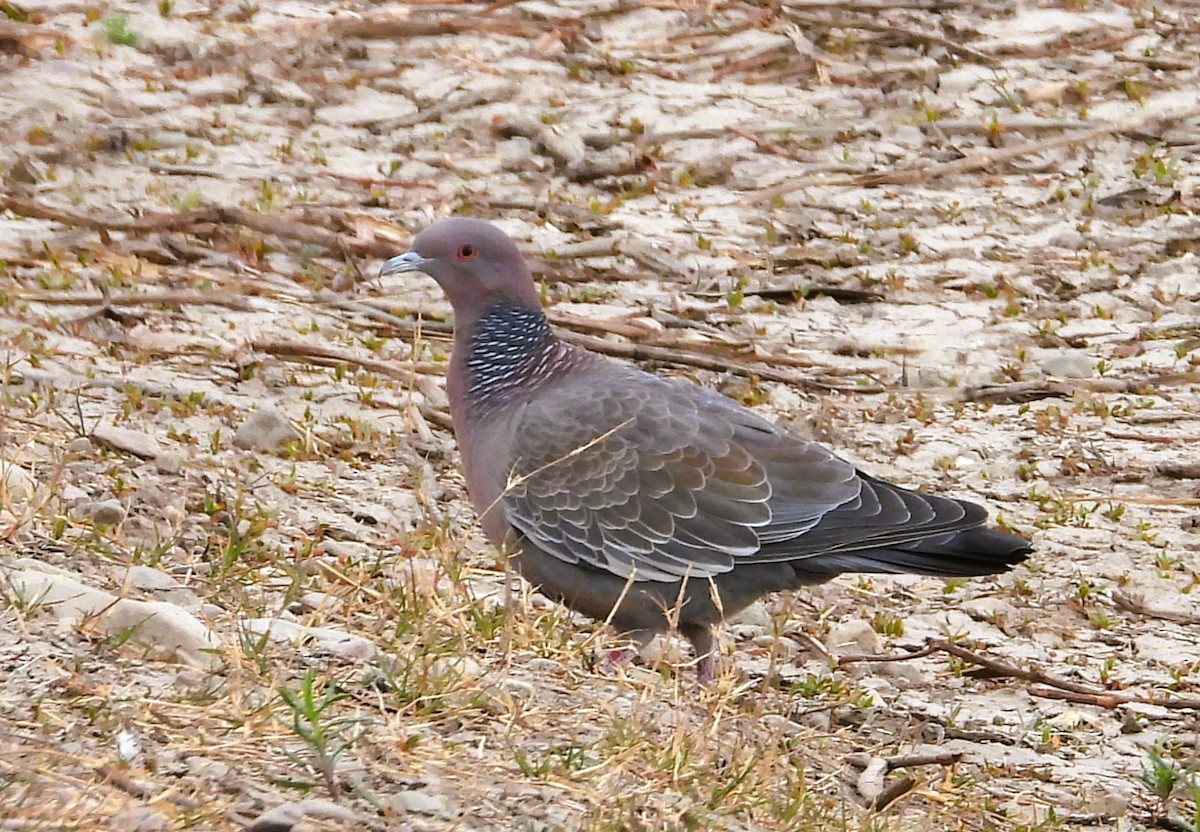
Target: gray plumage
610	484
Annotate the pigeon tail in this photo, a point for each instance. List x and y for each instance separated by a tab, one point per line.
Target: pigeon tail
971	553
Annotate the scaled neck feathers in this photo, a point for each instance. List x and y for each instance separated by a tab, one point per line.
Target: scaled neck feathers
513	350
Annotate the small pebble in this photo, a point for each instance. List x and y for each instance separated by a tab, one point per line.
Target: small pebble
421	803
169	463
106	513
265	430
854	637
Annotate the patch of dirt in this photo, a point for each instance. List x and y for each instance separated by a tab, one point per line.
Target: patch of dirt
240	577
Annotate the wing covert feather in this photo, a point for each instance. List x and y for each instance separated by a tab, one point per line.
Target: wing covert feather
661	480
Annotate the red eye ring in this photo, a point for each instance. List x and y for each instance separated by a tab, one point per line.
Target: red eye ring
467	252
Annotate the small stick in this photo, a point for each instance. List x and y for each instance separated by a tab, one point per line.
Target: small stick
973	162
1159	438
934	758
898	788
927	650
264	223
186	170
326	356
939	758
1046	685
153	298
644	352
888	27
764	145
1027	391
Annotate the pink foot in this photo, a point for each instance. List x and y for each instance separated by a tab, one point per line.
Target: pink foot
615	659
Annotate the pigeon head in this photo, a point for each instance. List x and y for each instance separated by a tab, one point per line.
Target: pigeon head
473	261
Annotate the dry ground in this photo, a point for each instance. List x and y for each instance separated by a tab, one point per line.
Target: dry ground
957	241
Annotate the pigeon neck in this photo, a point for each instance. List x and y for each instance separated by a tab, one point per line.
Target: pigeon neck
510	349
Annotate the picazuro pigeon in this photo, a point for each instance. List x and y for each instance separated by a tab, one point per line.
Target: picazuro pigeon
612	487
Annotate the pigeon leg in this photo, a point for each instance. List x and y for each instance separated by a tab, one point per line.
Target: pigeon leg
706	653
621	656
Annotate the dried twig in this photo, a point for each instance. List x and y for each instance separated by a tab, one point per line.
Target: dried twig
152	298
187	170
1045	685
977	160
179	220
666	351
324	356
149	222
67	381
1027	391
892	28
437	112
983	158
386	26
1180	471
602	141
644	352
1172	823
933	758
764	145
28	38
896	789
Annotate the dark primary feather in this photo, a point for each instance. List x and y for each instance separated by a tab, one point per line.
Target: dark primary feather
650	502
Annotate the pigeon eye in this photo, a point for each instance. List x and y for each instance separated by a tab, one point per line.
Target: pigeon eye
467	252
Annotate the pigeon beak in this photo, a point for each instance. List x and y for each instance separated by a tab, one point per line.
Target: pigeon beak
410	261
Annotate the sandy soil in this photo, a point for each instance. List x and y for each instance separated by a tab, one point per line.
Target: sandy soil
240	580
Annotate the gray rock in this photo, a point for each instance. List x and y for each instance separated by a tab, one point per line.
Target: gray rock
902	674
73	495
989	608
313	601
785	649
285	816
755	615
780	725
1107	806
854	638
159	585
139	819
170	462
207	768
366	107
144	577
27	171
164	629
334	642
421	803
17	485
265	430
518	689
134	442
926	378
105	512
219	87
80	445
548	666
1070	364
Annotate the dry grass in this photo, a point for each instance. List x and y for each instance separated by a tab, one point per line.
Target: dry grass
182	186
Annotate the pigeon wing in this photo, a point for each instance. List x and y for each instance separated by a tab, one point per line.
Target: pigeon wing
659	480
